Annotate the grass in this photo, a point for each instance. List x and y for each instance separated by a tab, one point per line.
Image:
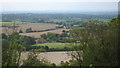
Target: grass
78	27
54	45
7	23
58	46
11	23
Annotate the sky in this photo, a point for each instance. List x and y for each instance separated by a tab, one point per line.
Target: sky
59	5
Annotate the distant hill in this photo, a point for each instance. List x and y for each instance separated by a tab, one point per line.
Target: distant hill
37	16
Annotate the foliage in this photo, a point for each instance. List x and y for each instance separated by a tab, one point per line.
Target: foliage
64	63
11	51
28	30
98	43
49	37
73	63
26	42
52	37
4	36
64	34
20	31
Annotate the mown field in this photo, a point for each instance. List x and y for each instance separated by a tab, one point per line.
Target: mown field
53	57
23	26
37	34
37	26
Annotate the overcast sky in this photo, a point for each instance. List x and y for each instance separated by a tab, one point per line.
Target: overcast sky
59	5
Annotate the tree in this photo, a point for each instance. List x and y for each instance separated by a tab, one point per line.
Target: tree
63	31
51	37
98	42
4	36
44	36
20	31
26	42
28	30
64	63
11	51
64	34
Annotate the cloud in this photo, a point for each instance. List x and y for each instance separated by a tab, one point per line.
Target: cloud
59	5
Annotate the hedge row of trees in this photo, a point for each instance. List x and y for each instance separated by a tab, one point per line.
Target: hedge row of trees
29	30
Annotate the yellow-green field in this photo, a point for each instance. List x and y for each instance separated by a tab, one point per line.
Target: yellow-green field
54	45
12	23
6	23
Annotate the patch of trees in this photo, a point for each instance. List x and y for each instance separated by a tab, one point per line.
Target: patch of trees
12	47
20	31
23	40
28	30
52	37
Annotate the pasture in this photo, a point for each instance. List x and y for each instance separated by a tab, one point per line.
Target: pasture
54	45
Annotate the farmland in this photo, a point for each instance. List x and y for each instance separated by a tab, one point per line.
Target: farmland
54	45
33	26
37	34
30	37
53	57
37	26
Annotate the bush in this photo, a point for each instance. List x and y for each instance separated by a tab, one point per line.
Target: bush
64	63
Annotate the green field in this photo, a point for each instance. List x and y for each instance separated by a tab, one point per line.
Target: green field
12	23
7	23
54	45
